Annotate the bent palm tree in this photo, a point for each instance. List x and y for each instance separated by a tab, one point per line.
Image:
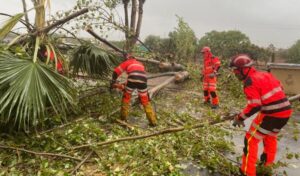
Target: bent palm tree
27	88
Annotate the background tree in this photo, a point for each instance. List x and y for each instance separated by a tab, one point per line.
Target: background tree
153	42
271	48
183	42
293	53
226	43
229	43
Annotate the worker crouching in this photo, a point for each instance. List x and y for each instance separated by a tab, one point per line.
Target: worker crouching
136	79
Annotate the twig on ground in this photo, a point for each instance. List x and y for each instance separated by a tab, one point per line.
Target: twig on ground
82	162
39	153
165	131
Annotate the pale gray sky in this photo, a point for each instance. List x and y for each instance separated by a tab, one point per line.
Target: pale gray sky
263	21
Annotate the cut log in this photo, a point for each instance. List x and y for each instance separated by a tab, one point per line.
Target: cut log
152	61
155	89
162	74
166	66
181	76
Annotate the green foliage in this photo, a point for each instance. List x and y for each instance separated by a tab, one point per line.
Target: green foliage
153	42
6	28
225	43
91	60
28	88
293	53
179	47
184	41
229	43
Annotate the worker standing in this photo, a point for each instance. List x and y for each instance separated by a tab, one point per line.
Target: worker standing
264	95
136	80
211	66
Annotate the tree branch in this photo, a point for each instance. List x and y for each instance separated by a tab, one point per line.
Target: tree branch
64	20
166	131
57	23
26	16
82	162
39	153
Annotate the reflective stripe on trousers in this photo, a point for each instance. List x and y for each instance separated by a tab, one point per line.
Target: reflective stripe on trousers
252	139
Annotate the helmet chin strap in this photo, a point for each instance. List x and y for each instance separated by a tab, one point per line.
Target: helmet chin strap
244	76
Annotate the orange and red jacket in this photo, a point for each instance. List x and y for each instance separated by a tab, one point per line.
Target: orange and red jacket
134	69
264	93
211	65
59	66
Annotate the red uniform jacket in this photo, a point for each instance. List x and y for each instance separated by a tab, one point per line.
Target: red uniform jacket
211	65
265	94
134	69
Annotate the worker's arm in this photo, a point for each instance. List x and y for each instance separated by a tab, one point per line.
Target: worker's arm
253	100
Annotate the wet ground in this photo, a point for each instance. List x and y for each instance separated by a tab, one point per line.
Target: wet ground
287	143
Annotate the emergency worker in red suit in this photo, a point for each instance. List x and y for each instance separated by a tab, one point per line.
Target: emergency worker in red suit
211	66
59	65
136	79
265	96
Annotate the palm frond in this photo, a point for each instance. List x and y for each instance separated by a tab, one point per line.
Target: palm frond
27	88
9	24
94	61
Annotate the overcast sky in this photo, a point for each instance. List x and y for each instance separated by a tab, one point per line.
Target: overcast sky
263	21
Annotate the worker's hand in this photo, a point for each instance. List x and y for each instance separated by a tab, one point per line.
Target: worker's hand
237	121
212	75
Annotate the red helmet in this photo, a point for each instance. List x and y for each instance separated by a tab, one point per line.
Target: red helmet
205	49
241	61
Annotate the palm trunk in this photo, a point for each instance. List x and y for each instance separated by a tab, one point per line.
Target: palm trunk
40	14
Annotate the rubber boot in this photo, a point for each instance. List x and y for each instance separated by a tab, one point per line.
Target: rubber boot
215	101
124	111
206	98
150	114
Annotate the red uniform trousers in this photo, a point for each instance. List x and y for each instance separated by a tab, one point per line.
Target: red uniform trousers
209	88
142	92
264	128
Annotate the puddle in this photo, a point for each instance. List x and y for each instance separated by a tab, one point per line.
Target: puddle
286	144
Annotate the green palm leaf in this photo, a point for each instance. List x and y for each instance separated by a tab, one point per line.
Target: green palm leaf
91	60
6	28
27	88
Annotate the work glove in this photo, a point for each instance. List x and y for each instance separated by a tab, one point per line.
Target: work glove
238	121
212	75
